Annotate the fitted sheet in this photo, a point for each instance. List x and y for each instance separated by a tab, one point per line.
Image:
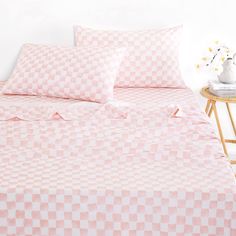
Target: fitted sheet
147	164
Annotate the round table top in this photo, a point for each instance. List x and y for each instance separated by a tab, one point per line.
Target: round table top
207	94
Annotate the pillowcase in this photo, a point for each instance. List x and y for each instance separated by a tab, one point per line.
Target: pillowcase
67	72
151	59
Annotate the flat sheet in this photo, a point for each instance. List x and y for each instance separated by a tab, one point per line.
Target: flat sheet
147	164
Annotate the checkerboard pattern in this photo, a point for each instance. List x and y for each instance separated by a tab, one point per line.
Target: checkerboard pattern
86	73
151	59
107	212
43	108
137	175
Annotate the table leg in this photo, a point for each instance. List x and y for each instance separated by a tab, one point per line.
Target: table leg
210	112
231	117
233	162
219	127
208	106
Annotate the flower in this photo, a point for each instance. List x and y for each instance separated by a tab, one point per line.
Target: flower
217	54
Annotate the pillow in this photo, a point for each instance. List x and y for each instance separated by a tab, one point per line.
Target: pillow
67	72
151	59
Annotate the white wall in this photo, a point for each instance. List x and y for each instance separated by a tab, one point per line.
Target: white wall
205	21
51	21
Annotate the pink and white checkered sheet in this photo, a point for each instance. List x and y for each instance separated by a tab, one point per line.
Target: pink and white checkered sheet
133	167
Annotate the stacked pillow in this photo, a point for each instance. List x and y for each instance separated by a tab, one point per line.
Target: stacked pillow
101	60
86	73
151	59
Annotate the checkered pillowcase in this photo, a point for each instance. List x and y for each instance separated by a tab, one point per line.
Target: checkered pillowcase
86	73
151	59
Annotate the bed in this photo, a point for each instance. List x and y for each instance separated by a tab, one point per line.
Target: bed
142	166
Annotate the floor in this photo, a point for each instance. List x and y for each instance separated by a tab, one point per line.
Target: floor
225	123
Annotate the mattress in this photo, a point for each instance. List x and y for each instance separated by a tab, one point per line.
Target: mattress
148	163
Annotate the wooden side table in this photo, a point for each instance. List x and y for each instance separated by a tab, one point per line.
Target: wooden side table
211	107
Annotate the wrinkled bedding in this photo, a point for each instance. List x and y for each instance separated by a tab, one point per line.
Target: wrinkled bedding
148	163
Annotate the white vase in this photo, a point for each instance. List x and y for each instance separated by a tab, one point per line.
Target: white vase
228	75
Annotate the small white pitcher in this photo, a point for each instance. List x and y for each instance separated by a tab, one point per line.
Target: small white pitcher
228	75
